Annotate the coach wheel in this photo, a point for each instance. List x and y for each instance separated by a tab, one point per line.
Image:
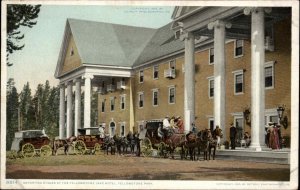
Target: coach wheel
79	147
46	150
28	150
98	149
146	147
162	148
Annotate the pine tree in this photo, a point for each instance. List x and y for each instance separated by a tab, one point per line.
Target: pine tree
52	114
27	109
17	16
12	103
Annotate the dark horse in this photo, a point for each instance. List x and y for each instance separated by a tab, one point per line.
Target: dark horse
118	142
109	143
199	141
131	141
213	143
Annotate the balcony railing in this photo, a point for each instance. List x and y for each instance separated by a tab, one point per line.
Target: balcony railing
170	73
111	88
101	90
121	85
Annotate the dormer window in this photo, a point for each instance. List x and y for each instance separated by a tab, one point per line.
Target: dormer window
72	51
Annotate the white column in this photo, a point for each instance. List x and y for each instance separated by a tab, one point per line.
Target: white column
61	111
69	109
257	78
189	80
77	106
219	73
87	100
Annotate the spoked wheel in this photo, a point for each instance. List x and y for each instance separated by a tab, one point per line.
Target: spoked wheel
98	149
46	150
146	147
162	149
28	150
79	147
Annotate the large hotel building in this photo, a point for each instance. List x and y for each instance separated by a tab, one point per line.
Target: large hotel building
210	65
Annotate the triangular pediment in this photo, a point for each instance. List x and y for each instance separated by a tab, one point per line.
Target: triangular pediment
72	59
182	10
69	57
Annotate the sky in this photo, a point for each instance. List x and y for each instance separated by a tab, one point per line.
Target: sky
36	62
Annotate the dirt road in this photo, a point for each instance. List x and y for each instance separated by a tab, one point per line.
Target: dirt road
140	168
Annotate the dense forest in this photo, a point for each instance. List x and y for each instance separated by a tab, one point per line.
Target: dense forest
39	110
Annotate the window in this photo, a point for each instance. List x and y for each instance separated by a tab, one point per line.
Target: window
211	87
141	100
271	115
239	50
122	102
211	124
112	126
155	72
172	95
103	106
211	56
238	82
271	118
172	64
141	76
112	104
122	129
269	79
155	97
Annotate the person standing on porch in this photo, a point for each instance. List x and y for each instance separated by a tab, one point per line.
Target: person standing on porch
232	136
218	133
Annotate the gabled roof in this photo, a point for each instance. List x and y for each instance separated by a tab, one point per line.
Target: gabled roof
116	45
162	43
109	44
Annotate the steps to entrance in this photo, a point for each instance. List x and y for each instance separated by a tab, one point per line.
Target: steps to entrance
268	156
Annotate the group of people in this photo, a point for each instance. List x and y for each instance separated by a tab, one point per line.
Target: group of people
273	136
175	123
233	133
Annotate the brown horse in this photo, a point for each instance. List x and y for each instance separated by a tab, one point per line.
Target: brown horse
173	141
58	143
213	143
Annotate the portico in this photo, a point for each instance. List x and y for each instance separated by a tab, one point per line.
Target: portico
68	126
222	24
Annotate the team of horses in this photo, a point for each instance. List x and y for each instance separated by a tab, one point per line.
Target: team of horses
191	144
204	140
113	144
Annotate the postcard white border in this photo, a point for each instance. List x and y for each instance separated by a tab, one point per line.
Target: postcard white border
121	184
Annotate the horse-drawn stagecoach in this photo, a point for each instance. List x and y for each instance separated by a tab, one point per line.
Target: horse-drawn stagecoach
31	142
89	139
155	139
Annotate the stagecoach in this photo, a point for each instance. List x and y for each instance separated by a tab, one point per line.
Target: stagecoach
153	145
89	140
31	142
